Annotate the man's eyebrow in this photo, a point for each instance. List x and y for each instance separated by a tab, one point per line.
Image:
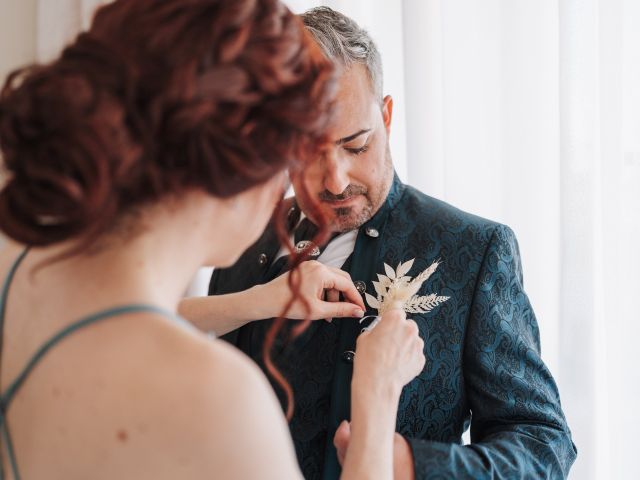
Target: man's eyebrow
344	140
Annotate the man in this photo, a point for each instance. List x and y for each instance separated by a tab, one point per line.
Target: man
482	345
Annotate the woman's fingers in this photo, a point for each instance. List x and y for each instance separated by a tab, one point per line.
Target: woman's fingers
392	351
320	288
332	296
340	272
340	310
343	284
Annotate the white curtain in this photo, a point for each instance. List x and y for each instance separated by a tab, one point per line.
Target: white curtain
529	113
59	21
526	112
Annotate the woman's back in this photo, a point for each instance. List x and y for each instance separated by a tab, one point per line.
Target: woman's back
157	143
137	395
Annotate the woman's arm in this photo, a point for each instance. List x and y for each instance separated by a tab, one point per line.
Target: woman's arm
252	430
225	313
387	358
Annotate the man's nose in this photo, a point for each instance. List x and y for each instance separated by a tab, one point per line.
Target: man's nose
336	178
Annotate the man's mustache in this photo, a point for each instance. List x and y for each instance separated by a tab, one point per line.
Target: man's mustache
350	191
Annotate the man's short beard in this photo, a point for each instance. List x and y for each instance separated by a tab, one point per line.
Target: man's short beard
343	222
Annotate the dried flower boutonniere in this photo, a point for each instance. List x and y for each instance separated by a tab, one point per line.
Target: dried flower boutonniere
397	288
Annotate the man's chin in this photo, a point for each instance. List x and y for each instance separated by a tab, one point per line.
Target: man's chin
347	218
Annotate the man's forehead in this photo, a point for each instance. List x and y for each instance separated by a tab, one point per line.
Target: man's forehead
354	78
355	106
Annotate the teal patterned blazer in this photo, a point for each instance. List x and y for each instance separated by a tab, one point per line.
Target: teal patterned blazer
483	368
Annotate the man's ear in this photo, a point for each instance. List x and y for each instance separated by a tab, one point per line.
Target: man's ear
387	112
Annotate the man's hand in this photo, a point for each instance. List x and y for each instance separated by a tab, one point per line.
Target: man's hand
402	456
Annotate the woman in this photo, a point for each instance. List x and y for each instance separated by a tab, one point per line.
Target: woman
130	160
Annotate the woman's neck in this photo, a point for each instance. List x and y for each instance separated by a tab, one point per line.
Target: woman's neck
154	266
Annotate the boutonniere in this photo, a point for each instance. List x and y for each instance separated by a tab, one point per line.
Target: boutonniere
396	287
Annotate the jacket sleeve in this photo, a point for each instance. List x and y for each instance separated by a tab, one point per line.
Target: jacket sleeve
518	429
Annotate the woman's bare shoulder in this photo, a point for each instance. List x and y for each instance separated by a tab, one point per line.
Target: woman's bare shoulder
9	252
219	412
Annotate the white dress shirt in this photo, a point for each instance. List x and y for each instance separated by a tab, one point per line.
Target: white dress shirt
336	252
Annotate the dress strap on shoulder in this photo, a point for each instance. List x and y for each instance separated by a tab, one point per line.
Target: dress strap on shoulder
4	429
8	394
5	290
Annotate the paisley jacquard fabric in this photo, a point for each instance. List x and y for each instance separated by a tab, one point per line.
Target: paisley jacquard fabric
482	347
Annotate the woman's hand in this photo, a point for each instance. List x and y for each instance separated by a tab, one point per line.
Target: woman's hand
321	287
388	356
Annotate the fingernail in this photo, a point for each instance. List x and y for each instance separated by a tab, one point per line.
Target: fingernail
358	312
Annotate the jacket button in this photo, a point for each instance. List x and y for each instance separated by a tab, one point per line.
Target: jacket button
348	356
262	259
360	286
302	245
372	232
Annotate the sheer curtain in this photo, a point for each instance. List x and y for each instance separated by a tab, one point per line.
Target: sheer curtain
527	113
59	21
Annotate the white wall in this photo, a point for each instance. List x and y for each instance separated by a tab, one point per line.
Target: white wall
17	34
17	38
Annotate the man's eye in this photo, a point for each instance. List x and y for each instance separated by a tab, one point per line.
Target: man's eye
357	151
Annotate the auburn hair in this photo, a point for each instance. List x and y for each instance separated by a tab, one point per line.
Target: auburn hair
156	98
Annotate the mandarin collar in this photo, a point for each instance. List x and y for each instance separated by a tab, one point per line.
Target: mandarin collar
393	197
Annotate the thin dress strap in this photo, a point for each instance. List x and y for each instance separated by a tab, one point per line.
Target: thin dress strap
6	437
9	393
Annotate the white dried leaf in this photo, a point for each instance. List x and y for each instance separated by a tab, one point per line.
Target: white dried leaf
385	281
403	268
372	301
425	274
417	282
397	287
389	271
380	290
425	304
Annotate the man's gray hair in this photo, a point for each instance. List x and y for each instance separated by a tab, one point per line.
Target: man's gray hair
345	42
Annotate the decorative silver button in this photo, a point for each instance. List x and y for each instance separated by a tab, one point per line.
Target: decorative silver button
262	258
360	286
372	232
307	244
348	356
